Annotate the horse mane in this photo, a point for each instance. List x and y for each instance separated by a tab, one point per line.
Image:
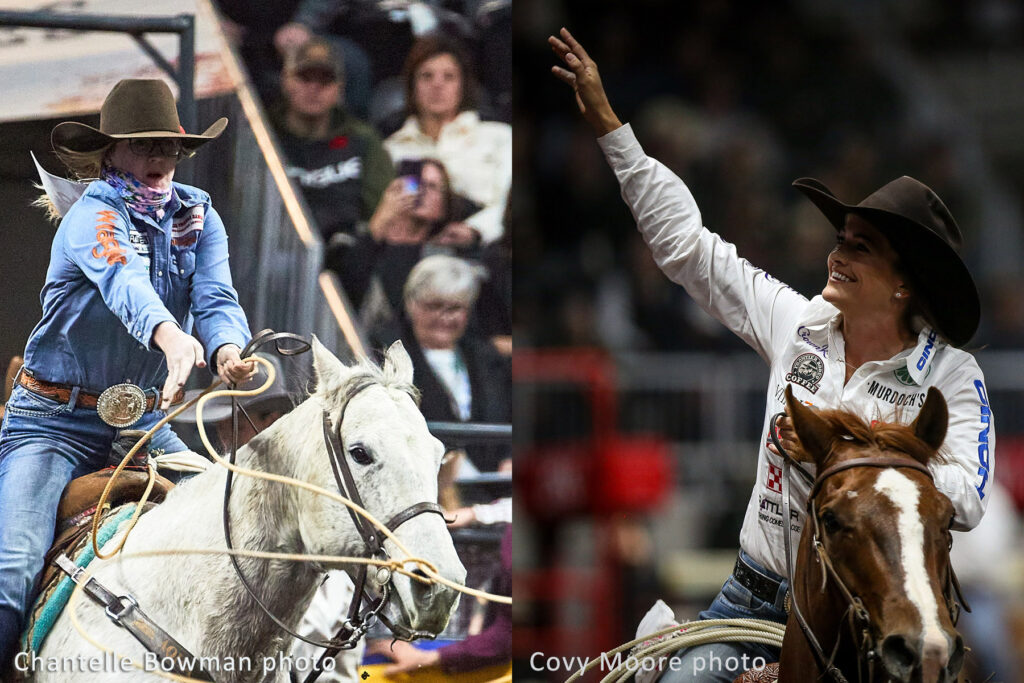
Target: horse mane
885	436
366	373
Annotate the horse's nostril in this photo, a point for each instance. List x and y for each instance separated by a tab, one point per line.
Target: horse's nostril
420	573
956	658
899	658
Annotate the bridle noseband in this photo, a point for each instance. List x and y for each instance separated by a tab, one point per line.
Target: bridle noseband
357	623
858	614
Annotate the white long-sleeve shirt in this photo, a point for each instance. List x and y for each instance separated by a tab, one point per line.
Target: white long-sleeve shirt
801	341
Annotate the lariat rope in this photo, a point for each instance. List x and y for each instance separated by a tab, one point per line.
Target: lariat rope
393	564
689	634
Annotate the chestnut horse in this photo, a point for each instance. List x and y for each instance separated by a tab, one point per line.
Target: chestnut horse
873	579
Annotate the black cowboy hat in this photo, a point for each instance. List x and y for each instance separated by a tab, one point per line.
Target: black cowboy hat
134	108
924	234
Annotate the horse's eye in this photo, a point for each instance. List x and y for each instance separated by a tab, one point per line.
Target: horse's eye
360	455
830	521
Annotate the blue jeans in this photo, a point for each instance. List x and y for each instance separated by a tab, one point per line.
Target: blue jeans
723	662
44	444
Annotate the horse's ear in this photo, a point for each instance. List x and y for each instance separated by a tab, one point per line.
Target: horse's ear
329	370
397	363
933	420
814	433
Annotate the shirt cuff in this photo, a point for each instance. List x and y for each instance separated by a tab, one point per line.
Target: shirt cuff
144	329
218	340
621	147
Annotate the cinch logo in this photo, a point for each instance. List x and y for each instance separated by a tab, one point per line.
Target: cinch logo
927	350
112	250
986	423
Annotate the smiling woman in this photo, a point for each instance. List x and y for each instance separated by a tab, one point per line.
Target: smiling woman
897	305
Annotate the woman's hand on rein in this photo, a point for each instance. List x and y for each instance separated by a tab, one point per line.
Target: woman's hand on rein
582	75
230	367
786	434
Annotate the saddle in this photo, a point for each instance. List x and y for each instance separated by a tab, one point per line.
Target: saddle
81	497
78	505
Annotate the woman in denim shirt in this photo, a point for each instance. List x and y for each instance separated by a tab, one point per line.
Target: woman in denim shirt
136	261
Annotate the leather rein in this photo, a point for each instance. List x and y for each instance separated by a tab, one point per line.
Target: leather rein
855	610
357	622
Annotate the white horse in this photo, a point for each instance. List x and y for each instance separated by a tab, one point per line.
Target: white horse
198	599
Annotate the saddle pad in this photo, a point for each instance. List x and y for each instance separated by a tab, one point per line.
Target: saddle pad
53	598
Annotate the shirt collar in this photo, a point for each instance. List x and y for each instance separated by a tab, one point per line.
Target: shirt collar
920	359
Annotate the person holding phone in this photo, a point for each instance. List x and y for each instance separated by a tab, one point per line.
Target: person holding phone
411	215
443	124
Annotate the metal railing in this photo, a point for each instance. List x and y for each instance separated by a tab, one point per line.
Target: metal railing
137	27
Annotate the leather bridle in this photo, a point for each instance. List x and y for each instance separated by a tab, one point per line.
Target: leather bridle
357	622
859	618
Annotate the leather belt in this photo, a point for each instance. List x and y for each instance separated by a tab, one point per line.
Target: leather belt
764	587
86	399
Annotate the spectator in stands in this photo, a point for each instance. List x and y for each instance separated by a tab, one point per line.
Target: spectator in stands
411	214
443	124
409	224
136	260
266	32
338	160
460	378
492	645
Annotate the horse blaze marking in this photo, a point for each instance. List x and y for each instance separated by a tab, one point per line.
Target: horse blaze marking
106	224
903	494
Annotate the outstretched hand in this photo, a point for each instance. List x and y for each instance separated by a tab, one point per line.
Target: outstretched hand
585	81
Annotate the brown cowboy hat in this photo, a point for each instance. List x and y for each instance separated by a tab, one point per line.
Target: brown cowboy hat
924	234
134	108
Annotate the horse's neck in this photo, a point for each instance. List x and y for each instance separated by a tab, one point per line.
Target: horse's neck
825	611
264	516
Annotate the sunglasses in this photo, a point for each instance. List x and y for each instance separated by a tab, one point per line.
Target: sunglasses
318	76
158	147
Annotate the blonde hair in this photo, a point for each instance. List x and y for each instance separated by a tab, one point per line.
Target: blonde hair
84	166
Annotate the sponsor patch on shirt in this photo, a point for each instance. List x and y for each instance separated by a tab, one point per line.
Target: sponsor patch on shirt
774	480
985	420
109	248
140	244
185	229
807	371
805	334
770	512
895	397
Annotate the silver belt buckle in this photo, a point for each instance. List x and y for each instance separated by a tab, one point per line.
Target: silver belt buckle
121	405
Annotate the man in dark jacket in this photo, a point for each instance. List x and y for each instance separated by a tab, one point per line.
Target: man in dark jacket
336	159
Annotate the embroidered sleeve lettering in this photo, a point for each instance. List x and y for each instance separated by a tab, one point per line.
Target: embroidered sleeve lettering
109	248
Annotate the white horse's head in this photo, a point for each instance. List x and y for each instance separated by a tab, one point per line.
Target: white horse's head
395	462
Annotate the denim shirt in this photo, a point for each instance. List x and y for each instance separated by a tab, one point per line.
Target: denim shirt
115	274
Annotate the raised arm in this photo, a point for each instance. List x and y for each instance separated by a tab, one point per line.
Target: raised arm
585	81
